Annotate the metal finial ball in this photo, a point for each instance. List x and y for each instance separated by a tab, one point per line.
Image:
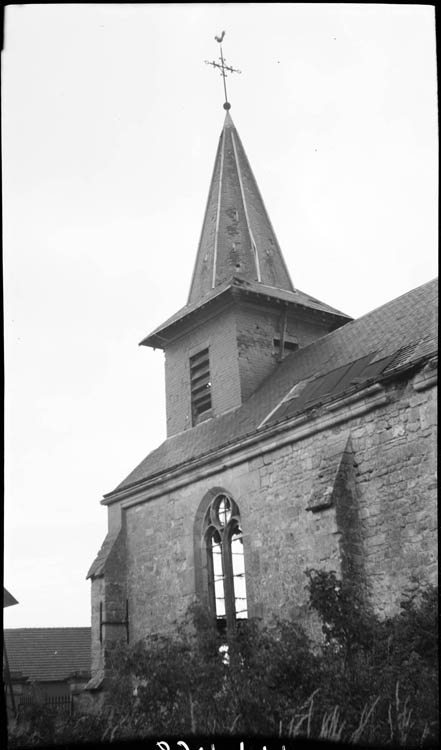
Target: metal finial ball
227	105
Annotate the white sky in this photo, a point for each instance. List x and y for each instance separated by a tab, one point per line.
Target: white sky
110	127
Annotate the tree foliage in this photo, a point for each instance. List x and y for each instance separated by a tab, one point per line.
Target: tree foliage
372	681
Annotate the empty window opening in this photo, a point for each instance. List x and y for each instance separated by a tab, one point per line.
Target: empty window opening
218	574
224	510
288	346
225	562
200	386
238	565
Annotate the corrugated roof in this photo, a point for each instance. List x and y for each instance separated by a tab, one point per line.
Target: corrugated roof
48	654
408	321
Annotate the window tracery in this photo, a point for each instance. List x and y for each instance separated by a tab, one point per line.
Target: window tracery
223	539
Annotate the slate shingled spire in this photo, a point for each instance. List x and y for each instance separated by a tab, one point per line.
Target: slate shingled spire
237	238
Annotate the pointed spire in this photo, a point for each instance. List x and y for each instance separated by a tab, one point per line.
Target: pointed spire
237	238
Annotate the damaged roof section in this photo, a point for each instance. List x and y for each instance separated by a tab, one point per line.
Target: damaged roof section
382	343
342	381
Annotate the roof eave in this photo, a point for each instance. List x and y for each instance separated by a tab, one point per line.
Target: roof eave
260	434
157	339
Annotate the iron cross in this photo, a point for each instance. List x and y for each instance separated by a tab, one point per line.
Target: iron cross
223	68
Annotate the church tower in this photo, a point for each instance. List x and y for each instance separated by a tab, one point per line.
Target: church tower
243	313
295	440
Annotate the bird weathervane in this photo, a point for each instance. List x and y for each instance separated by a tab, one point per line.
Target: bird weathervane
223	68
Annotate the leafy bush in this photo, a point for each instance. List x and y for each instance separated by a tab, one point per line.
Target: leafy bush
36	726
392	662
370	681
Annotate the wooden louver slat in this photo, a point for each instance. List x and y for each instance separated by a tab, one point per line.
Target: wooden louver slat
196	391
200	384
203	377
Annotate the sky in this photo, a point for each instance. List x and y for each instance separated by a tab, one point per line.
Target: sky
110	126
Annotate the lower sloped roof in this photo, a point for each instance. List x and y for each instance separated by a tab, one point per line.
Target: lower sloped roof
48	654
8	599
97	567
400	332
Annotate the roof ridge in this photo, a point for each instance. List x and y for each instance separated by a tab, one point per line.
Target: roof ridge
51	627
395	299
355	321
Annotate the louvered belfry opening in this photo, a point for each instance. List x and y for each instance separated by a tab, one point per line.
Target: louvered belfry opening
200	386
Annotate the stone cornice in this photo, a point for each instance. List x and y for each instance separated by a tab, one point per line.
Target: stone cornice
337	411
428	377
260	442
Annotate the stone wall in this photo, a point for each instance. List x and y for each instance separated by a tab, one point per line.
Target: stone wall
98	598
109	605
257	327
396	477
381	518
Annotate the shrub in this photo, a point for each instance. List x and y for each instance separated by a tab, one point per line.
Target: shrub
370	681
391	661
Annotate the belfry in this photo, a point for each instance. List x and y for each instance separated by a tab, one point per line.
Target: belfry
296	438
243	313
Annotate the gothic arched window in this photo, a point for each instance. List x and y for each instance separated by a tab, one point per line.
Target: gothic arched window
223	540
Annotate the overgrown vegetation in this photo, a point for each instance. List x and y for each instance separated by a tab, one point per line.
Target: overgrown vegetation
371	681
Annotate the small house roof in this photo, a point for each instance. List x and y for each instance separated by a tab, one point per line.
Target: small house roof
48	654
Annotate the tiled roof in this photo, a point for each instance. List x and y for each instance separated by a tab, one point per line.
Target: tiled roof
405	328
48	654
243	287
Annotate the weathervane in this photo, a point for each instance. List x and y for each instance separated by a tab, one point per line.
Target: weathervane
223	68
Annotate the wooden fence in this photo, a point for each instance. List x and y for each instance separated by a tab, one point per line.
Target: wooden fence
61	703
